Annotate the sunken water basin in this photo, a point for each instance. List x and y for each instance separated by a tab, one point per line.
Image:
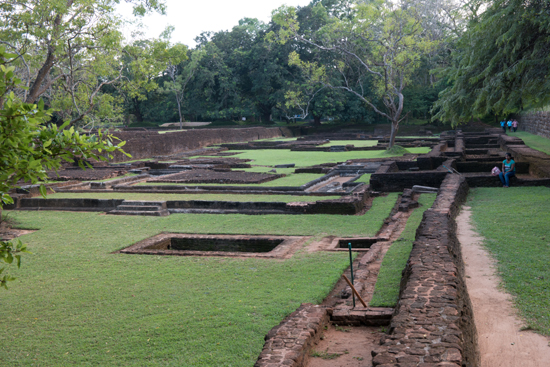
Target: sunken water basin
178	244
357	243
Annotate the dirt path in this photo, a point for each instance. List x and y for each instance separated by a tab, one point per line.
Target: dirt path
501	343
345	347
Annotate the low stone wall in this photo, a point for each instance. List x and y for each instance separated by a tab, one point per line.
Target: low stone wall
398	181
89	205
289	343
433	324
146	144
346	205
535	123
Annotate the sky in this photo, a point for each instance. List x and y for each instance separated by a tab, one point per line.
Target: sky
191	18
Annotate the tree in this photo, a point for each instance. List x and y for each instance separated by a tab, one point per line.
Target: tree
501	64
29	147
180	75
67	51
382	39
143	62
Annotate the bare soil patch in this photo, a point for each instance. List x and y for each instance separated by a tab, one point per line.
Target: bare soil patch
7	233
502	343
345	346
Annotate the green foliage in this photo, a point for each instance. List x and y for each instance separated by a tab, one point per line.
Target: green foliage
10	251
69	53
384	40
29	147
514	225
386	290
501	63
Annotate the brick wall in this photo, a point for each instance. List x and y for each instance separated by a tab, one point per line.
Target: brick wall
146	144
433	324
535	123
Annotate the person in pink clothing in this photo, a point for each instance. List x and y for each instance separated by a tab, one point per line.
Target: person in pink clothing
515	125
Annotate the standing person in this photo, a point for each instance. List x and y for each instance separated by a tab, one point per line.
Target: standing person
503	125
515	125
508	170
509	125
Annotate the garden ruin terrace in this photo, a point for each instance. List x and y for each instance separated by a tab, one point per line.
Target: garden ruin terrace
247	244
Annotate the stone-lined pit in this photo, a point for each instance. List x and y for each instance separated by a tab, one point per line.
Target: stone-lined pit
177	244
218	244
357	242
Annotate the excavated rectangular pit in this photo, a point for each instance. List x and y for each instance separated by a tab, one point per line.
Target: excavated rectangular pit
217	245
357	242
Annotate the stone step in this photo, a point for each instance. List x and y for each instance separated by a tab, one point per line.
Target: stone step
370	316
159	213
143	208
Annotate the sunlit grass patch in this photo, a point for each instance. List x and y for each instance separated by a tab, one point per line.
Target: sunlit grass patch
514	224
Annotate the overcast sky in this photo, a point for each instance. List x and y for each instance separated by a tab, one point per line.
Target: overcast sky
190	18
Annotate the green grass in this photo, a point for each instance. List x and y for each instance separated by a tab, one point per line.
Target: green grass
259	169
514	224
386	290
183	197
290	180
364	178
76	303
533	141
357	143
271	157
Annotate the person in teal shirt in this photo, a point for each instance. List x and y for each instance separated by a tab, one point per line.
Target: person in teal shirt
503	125
508	170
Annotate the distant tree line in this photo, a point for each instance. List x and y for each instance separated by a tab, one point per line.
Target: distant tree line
363	61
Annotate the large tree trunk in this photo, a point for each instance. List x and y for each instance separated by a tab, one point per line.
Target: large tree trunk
179	112
316	120
266	117
136	111
394	128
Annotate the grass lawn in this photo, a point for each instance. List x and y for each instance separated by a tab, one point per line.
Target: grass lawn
260	169
271	157
357	143
533	141
514	223
76	303
298	179
167	197
364	178
386	290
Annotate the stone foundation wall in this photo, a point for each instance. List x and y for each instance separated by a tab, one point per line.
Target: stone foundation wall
288	344
146	144
535	123
433	324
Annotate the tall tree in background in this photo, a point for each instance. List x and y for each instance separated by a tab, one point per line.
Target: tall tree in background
67	50
382	39
502	62
180	74
143	62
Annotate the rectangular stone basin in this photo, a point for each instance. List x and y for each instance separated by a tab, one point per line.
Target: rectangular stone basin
178	244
